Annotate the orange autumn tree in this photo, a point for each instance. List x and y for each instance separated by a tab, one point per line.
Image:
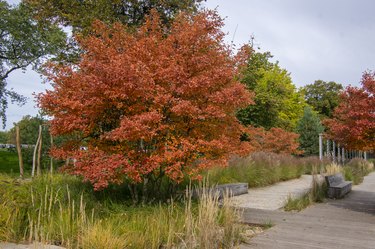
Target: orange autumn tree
353	122
151	103
275	140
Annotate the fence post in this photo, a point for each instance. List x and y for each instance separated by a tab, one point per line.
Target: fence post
35	150
321	147
19	151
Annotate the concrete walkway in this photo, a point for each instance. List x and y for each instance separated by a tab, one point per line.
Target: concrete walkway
345	223
5	245
274	197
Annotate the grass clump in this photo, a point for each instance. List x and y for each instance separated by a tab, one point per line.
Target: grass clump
259	169
357	169
60	210
316	194
333	169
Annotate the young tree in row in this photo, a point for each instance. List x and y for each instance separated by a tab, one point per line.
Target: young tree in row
309	127
275	140
323	96
353	122
157	102
277	102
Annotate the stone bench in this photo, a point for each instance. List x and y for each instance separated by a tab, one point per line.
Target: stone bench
230	189
337	186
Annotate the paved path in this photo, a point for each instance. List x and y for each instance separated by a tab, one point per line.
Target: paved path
274	197
29	246
345	223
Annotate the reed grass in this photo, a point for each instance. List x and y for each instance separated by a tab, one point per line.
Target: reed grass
55	210
316	194
259	169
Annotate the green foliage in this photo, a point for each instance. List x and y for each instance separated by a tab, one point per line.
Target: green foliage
80	14
23	42
260	169
29	130
323	96
4	137
309	128
9	162
277	102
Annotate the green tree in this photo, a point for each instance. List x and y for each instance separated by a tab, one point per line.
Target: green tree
23	42
277	101
323	97
29	129
4	137
309	128
80	14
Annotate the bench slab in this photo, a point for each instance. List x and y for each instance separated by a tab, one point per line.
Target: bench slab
337	186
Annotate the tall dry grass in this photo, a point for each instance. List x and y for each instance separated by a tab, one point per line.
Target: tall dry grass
259	169
333	169
357	169
49	211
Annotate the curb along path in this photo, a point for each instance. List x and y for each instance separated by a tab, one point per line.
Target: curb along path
345	223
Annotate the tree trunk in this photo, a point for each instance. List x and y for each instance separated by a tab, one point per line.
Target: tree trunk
18	144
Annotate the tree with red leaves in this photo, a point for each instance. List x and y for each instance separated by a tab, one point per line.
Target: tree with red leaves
353	122
275	140
151	103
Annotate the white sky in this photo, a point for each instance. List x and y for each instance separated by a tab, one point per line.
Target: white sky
312	39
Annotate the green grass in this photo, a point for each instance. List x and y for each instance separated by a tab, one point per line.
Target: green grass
9	162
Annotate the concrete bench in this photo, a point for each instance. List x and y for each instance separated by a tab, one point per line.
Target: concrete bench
337	186
230	189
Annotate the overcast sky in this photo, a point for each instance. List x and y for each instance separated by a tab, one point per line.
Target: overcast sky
332	40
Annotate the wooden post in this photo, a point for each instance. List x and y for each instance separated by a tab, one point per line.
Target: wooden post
321	147
35	150
51	158
18	144
38	171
